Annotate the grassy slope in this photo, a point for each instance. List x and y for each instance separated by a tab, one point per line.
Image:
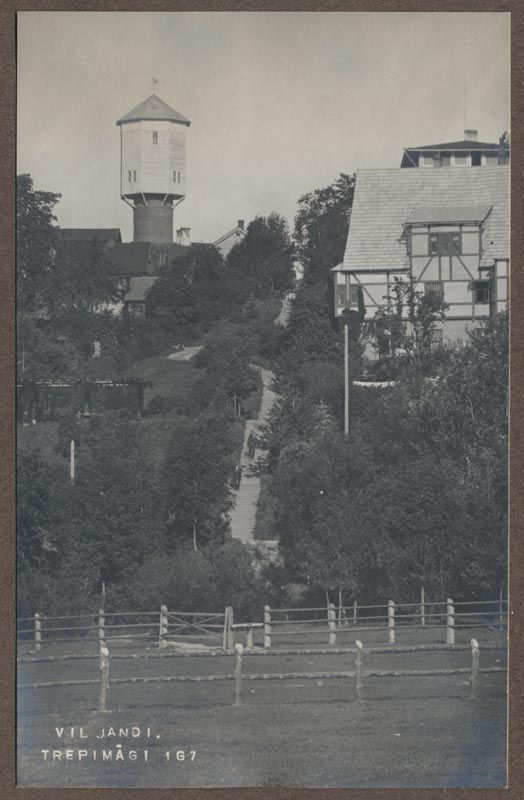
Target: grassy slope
172	379
420	731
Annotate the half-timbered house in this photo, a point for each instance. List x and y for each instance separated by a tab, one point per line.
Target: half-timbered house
443	230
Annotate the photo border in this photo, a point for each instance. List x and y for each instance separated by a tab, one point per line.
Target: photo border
8	11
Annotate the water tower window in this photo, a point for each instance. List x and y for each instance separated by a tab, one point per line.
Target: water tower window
129	176
134	176
155	137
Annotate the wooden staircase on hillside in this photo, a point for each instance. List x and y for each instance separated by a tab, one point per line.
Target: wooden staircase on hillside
244	513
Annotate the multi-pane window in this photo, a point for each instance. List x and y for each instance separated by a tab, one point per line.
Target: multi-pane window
353	294
129	176
445	244
134	176
434	287
155	137
442	160
341	295
480	291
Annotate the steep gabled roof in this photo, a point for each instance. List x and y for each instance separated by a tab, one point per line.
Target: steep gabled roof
153	108
385	198
103	235
138	289
238	231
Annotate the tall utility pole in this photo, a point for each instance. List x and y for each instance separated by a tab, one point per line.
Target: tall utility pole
72	461
346	380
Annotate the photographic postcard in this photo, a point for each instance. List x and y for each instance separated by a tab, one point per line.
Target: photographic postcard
262	279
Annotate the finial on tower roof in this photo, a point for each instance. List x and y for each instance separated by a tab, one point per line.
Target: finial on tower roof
155	83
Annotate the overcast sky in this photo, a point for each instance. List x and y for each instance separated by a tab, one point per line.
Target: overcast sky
279	103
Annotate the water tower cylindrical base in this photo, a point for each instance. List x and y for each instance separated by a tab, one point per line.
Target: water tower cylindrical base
153	222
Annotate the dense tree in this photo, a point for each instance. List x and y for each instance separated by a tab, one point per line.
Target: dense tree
263	261
228	377
309	334
195	482
33	512
188	580
36	242
416	495
407	319
321	228
62	287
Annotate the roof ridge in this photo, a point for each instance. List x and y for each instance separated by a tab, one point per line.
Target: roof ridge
153	108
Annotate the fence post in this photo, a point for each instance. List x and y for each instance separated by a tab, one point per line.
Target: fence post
249	638
101	627
501	613
475	655
230	634
38	633
164	622
224	631
237	700
355	611
391	621
450	622
332	623
422	607
358	669
104	678
267	626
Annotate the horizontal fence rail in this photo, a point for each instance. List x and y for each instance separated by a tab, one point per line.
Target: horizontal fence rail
358	672
319	625
161	627
391	618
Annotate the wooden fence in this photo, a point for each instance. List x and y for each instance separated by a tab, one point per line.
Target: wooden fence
330	624
359	673
333	622
160	627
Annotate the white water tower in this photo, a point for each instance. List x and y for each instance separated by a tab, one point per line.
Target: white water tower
153	167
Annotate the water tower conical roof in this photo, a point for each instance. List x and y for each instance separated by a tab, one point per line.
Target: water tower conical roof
153	108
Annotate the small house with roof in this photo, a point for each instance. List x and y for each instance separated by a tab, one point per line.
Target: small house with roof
468	152
442	230
226	242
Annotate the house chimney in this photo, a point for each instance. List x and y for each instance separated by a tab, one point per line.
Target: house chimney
470	135
240	224
185	237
